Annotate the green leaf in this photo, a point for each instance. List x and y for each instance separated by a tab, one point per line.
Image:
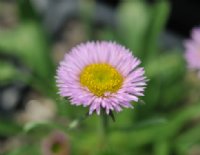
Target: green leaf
8	72
168	67
9	128
26	149
133	23
143	124
186	140
166	75
106	34
159	15
180	118
47	125
162	147
33	125
29	44
26	10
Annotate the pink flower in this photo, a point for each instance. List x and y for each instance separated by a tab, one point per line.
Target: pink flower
101	75
192	54
56	144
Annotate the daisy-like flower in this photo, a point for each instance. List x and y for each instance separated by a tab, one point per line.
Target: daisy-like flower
192	54
56	143
101	75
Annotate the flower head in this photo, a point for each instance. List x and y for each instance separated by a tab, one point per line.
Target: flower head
56	144
192	54
101	75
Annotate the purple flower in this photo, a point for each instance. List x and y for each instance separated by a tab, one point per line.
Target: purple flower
101	75
56	144
192	54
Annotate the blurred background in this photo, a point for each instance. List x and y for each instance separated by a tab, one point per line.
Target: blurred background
35	35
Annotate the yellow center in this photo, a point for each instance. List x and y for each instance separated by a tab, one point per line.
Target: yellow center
101	78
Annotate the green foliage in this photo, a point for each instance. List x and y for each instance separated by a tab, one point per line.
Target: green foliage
166	74
133	23
140	25
9	128
28	43
161	126
26	149
159	13
9	73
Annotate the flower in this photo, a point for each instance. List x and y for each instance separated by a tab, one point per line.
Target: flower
101	75
192	54
55	144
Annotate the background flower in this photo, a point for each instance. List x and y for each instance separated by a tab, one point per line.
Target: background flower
192	53
56	143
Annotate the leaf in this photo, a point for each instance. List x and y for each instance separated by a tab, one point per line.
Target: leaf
29	44
166	74
186	140
179	119
162	147
106	34
9	128
33	125
8	72
144	124
168	67
159	15
24	150
133	20
162	135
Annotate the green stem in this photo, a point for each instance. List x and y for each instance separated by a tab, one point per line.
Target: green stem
104	129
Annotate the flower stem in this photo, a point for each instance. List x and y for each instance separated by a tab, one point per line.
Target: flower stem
104	127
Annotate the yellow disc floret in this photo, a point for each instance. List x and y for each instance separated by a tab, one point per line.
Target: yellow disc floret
101	78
